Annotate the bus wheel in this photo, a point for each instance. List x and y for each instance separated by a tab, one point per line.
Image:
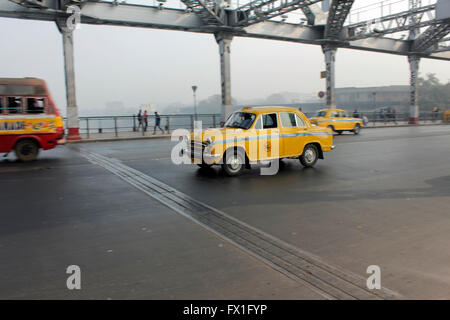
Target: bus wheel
26	150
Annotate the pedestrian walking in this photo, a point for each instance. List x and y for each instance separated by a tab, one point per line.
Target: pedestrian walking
145	120
139	117
157	123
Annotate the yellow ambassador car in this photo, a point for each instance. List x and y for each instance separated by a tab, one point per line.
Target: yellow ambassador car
255	134
337	120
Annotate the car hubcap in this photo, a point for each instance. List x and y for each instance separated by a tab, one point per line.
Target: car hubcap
233	163
310	155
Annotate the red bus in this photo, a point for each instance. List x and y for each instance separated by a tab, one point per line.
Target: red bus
29	119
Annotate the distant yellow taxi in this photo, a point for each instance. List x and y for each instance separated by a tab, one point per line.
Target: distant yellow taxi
337	120
255	134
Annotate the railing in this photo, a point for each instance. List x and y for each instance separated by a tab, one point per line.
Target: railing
121	124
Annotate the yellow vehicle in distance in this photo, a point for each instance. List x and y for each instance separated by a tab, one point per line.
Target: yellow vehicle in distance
255	134
337	120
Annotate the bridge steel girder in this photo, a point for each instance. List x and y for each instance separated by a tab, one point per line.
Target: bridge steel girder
73	122
338	12
403	21
431	37
414	96
261	10
106	13
329	52
224	41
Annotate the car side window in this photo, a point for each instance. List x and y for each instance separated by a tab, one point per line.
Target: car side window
270	121
344	114
300	122
288	120
258	123
334	114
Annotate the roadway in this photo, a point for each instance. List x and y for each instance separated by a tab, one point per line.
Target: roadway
380	198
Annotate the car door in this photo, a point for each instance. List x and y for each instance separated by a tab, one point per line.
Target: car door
291	133
335	120
344	120
268	137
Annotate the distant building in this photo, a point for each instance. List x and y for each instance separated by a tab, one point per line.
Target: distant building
373	97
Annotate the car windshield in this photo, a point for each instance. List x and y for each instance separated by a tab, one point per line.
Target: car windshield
242	120
321	114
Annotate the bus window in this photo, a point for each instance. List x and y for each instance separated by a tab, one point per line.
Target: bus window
35	105
14	105
2	107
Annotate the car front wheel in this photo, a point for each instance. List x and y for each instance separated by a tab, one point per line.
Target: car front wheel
309	156
234	163
357	129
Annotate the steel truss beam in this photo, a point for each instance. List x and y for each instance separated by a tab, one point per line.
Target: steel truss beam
106	13
431	37
210	11
338	12
261	10
402	21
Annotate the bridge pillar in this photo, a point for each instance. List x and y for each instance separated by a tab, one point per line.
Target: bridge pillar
414	97
330	58
69	71
224	41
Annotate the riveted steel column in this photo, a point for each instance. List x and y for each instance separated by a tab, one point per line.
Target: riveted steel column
224	42
414	97
330	59
69	71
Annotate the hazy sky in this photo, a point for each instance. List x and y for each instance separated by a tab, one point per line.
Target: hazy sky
136	65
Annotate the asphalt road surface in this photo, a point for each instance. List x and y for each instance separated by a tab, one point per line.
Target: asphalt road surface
381	198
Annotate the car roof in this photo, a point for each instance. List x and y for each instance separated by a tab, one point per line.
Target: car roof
266	109
327	110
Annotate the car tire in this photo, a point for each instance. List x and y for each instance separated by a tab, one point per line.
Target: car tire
357	129
234	162
309	156
339	132
26	150
332	128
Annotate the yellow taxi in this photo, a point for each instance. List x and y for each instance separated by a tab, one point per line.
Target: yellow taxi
256	134
337	120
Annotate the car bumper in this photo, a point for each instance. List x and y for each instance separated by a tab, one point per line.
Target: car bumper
199	157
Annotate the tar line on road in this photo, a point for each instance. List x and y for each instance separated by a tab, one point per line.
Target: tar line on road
329	281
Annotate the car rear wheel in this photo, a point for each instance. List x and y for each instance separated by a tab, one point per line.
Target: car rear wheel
26	150
309	156
332	128
357	129
234	163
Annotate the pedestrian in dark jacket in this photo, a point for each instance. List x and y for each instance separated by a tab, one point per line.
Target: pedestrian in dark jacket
157	123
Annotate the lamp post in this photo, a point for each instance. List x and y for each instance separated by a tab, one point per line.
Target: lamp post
194	89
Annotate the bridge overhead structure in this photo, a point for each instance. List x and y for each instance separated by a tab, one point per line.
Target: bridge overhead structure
419	29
